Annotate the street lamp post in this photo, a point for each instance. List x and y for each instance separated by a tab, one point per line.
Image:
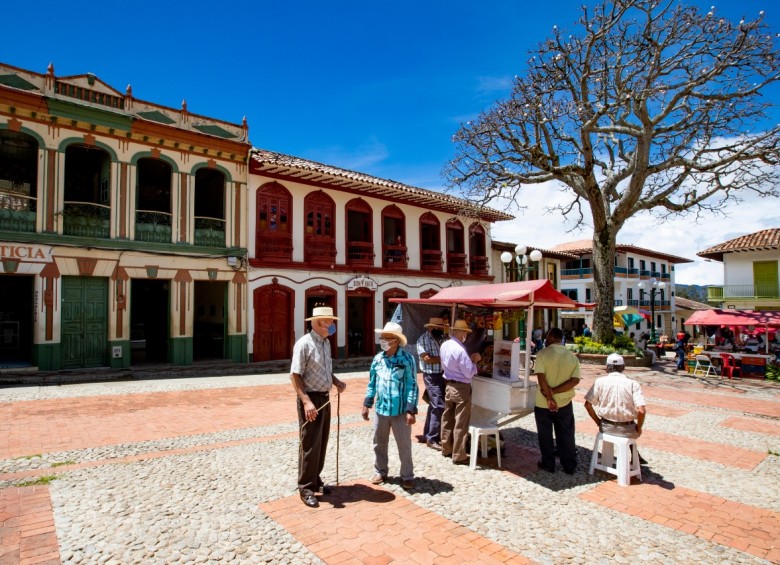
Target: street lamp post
653	287
518	270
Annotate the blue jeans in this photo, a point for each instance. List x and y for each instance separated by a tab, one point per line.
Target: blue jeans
434	384
562	422
402	432
680	358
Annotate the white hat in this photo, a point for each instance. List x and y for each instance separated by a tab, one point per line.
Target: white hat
395	329
322	312
435	323
615	359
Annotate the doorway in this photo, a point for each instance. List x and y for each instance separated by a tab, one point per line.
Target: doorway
208	338
84	322
16	320
322	296
273	312
360	325
149	320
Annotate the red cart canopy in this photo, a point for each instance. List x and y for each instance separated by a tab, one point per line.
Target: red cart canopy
539	293
717	317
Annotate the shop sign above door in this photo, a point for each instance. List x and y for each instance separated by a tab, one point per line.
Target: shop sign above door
362	282
25	252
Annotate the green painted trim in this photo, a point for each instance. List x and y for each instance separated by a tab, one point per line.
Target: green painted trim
120	244
80	141
71	111
220	168
148	155
47	356
122	362
236	348
180	350
31	133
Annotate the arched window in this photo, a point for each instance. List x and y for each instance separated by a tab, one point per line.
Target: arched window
456	255
430	243
154	219
478	261
18	181
394	238
429	293
87	200
319	238
273	237
360	243
210	207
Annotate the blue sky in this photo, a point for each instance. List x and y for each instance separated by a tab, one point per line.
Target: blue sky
378	87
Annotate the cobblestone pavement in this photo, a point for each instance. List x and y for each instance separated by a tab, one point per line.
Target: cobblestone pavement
203	470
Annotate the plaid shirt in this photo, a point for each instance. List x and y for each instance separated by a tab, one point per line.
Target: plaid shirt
311	360
430	345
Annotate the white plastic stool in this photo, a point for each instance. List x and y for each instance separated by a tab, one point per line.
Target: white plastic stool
479	435
625	467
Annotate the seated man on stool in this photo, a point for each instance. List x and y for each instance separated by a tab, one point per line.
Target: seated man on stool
616	403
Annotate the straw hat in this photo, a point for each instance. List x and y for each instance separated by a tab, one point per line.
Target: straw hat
435	323
396	330
460	325
322	312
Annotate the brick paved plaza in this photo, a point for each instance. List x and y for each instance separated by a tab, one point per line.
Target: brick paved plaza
202	470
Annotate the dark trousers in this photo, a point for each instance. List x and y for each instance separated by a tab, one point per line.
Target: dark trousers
434	384
314	442
562	422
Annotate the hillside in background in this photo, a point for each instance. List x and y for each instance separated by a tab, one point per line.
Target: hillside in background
691	292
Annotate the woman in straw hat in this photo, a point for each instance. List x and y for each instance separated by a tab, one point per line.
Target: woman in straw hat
393	384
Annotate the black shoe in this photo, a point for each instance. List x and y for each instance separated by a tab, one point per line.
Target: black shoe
543	468
325	489
434	445
309	499
570	471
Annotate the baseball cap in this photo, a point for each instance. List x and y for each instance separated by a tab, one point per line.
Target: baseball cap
615	359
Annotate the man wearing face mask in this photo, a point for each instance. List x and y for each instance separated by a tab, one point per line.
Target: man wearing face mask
311	373
393	383
433	377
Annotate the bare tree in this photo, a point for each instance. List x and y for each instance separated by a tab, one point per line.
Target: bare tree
650	107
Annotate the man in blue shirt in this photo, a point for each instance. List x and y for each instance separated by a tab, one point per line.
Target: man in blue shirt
459	369
433	377
393	383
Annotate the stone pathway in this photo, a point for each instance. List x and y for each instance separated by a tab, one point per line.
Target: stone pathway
203	470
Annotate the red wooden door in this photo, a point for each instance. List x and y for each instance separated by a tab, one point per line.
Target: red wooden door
273	323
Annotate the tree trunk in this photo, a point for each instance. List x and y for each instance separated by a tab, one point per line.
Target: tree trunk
604	282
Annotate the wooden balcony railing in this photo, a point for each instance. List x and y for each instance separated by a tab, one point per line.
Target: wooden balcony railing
431	260
360	253
456	263
478	265
394	257
274	246
319	250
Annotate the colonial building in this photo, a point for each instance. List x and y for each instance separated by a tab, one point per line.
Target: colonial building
322	235
750	272
122	227
633	265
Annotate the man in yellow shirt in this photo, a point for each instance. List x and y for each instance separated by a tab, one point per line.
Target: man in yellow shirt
558	372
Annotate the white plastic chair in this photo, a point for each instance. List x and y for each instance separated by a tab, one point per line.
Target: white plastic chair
625	466
479	436
703	362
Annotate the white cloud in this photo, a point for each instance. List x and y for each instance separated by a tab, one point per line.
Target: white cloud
681	236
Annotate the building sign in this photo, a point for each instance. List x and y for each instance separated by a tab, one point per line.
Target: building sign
362	282
25	252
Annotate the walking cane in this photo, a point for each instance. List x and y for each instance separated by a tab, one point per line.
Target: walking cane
338	432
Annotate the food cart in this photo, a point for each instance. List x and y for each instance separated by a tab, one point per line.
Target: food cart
502	391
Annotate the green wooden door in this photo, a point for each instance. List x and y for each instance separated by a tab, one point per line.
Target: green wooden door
84	322
765	279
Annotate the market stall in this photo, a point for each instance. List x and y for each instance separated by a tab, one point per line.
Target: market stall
502	391
752	358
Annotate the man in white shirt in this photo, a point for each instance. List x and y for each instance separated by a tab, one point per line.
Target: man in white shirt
615	402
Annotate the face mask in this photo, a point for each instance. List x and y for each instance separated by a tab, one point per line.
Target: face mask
384	344
438	334
331	329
